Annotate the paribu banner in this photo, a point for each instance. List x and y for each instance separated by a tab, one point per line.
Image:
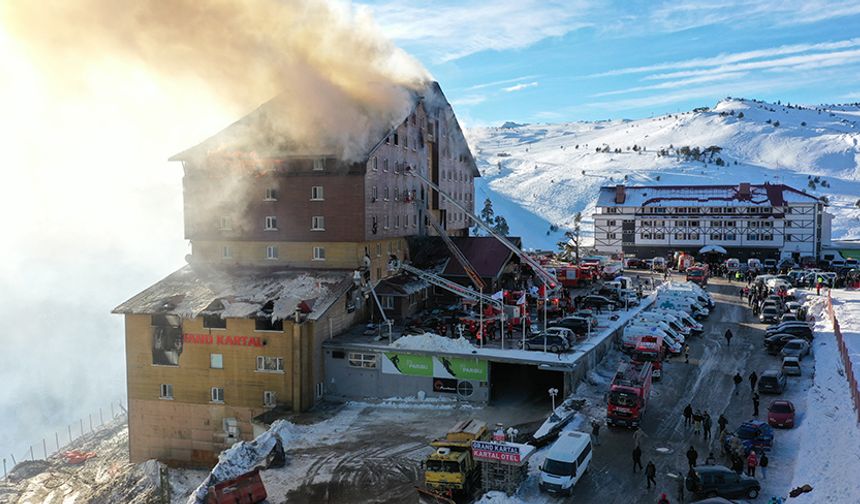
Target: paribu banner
407	364
461	369
439	367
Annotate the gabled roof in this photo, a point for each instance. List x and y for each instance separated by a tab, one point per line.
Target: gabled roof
486	254
400	285
240	292
775	195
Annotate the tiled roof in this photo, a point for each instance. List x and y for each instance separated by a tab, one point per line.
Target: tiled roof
705	195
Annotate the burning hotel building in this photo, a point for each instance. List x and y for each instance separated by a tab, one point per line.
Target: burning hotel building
283	234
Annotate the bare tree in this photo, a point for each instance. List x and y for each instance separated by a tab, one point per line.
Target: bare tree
570	247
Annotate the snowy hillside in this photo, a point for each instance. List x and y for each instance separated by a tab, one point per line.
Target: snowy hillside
539	175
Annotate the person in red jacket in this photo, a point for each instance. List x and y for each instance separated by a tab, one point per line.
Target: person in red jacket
752	462
663	499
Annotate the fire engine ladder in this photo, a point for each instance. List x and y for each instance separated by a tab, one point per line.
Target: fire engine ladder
458	255
453	287
544	275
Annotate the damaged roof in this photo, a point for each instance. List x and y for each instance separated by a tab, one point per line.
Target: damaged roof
243	292
485	253
775	195
400	285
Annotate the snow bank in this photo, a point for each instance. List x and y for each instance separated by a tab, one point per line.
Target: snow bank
434	342
846	306
243	457
415	403
830	437
496	497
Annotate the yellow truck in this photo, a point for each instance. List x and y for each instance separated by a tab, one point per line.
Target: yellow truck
450	472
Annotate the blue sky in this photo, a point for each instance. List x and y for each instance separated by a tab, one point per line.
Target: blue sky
551	61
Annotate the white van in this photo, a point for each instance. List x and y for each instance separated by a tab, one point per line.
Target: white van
636	328
696	309
565	463
683	317
673	322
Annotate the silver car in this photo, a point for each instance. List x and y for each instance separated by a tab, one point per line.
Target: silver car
795	348
791	366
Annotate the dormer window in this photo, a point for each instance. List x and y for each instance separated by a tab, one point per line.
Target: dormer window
225	224
319	164
271	194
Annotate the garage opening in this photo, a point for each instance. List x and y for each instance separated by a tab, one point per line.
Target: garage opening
522	384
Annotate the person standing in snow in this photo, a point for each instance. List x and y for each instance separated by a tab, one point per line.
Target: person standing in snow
706	425
737	379
753	381
737	464
752	461
692	456
728	335
722	422
755	400
650	473
595	433
681	487
763	464
688	415
697	423
686	353
711	460
637	458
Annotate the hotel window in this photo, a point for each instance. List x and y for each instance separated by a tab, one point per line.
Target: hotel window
271	194
319	254
317	223
659	236
611	223
166	391
216	361
271	252
362	360
396	138
373	193
385	165
679	236
396	221
226	252
317	193
730	237
385	193
716	236
214	322
270	364
387	222
271	223
646	236
270	399
406	140
225	224
217	394
693	236
414	220
788	223
766	237
265	324
387	302
378	249
789	237
319	164
375	164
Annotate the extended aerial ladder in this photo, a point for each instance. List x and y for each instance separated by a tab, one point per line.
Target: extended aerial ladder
458	255
544	275
450	286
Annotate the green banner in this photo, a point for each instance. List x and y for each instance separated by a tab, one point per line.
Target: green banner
407	364
462	369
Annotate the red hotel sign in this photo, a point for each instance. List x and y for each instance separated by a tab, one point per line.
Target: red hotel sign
208	339
484	450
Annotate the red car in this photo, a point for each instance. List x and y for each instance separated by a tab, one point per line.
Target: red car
781	414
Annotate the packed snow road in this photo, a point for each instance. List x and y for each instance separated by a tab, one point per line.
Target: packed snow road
706	384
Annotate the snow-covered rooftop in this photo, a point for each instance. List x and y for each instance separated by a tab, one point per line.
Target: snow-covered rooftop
240	292
773	195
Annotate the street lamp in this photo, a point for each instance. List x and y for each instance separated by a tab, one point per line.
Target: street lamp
552	393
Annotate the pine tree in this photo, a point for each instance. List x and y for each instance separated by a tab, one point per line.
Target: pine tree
487	213
570	247
501	226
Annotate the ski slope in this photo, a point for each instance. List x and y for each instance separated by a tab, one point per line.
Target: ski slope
542	174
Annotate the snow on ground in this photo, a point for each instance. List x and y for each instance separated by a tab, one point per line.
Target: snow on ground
846	305
542	174
829	446
430	341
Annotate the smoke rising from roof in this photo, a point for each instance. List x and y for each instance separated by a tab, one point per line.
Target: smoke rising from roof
96	95
338	80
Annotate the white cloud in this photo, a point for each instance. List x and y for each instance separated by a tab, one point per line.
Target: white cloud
469	100
729	58
452	31
500	82
675	83
520	87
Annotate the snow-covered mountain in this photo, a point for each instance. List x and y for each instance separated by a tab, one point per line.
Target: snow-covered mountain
540	175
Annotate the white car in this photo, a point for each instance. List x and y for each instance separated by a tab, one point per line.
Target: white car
795	348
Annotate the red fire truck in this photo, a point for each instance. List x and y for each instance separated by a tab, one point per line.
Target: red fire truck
628	394
698	274
650	349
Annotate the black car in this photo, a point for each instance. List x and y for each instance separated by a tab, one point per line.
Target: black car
775	342
551	342
771	381
799	329
579	325
593	301
720	481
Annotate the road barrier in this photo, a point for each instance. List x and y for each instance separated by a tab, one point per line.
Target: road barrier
846	359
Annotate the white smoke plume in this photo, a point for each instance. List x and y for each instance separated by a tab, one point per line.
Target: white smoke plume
96	95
